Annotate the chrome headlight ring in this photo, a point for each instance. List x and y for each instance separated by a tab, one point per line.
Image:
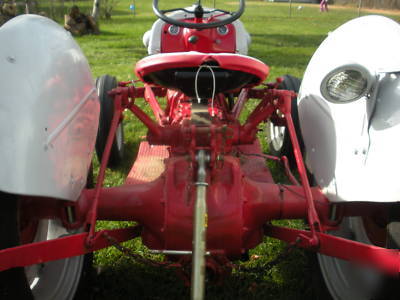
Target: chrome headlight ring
347	83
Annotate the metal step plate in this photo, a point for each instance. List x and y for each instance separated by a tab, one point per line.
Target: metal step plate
149	164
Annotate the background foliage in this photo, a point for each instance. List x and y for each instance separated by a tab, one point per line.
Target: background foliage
56	9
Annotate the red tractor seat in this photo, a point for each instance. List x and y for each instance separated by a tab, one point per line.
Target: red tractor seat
179	70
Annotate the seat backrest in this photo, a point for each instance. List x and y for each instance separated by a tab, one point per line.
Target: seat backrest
152	39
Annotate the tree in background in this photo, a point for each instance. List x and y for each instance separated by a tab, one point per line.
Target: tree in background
108	6
56	9
96	9
31	6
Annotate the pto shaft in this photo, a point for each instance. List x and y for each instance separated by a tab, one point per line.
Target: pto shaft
199	229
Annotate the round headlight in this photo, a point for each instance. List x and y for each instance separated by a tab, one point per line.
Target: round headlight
173	30
223	30
346	84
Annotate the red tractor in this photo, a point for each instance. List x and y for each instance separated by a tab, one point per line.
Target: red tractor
199	189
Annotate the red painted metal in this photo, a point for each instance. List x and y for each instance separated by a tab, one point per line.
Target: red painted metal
153	127
160	188
179	107
236	62
239	105
385	260
207	40
149	164
60	248
288	173
241	198
150	97
313	219
92	213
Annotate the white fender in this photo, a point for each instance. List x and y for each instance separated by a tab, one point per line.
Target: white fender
49	110
353	148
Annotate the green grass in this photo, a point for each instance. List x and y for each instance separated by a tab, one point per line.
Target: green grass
285	44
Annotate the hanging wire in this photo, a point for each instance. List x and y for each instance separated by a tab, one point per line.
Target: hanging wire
214	86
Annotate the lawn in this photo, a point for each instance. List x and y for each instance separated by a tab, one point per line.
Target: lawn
285	43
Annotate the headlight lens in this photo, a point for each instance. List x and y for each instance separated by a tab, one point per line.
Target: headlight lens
346	84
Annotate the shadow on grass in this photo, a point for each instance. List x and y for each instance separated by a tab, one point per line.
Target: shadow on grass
108	33
131	150
123	20
126	279
129	280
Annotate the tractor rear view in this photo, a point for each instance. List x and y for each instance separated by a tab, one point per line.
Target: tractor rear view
199	190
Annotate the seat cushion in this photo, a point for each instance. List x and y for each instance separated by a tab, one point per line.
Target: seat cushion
179	71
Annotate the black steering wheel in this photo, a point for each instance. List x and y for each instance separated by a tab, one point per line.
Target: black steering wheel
198	12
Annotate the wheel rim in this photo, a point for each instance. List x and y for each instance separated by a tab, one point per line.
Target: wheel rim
57	279
277	135
343	279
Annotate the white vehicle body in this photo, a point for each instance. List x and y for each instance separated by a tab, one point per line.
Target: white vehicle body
49	110
353	148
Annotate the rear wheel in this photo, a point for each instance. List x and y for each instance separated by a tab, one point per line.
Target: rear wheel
52	280
105	84
278	138
344	280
